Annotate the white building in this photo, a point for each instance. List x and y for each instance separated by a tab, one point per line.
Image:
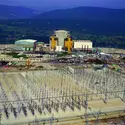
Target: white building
83	44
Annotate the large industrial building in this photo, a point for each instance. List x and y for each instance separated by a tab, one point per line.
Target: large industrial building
83	44
61	40
25	45
58	39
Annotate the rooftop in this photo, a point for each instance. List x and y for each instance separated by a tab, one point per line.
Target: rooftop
83	41
27	40
40	42
61	31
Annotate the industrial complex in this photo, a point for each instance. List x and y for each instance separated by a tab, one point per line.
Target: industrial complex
66	82
62	41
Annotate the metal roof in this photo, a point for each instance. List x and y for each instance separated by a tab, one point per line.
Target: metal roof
26	40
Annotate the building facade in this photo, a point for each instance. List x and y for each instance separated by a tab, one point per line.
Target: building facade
83	44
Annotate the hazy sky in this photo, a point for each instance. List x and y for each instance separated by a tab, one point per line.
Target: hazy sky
59	4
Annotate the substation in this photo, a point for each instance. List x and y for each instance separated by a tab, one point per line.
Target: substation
49	96
85	84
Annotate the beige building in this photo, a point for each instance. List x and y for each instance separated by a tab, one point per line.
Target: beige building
83	44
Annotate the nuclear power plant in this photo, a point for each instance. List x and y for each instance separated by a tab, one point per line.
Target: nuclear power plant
61	35
39	87
61	41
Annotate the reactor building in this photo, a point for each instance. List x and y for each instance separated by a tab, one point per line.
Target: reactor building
60	40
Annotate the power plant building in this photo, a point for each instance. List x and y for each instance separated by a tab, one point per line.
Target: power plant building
83	44
61	35
57	40
62	41
25	45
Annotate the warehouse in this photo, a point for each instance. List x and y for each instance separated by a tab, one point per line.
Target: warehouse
83	44
25	45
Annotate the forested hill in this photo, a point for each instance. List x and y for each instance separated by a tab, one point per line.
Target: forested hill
105	27
15	12
87	13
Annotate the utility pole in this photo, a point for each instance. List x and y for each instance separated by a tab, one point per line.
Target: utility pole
124	94
51	119
35	120
97	117
86	107
27	79
105	99
0	117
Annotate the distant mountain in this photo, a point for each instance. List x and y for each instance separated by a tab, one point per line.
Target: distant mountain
15	12
87	13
